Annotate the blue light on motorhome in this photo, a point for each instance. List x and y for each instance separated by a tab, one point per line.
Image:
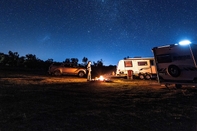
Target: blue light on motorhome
184	42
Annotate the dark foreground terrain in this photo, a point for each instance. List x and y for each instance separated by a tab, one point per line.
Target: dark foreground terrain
33	102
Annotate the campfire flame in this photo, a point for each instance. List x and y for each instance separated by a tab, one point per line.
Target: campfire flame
101	78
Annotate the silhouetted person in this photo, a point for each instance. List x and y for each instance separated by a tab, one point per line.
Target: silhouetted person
89	71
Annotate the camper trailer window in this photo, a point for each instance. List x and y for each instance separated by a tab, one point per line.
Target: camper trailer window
164	58
142	63
128	63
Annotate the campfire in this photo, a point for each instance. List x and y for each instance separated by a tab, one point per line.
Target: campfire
101	78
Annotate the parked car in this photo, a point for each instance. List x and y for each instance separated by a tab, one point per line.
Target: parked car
66	69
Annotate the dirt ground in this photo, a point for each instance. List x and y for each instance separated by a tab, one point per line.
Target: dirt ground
33	102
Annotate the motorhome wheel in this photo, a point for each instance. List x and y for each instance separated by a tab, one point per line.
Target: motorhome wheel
174	70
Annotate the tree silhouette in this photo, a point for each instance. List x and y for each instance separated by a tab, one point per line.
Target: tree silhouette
85	61
100	63
30	61
67	61
74	61
49	61
30	57
4	59
21	61
13	58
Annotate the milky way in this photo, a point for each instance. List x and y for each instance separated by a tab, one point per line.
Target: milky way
97	29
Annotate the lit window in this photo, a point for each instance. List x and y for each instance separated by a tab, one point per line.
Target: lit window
128	63
142	63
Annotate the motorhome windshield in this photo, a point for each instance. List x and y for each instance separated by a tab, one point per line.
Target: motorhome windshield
194	52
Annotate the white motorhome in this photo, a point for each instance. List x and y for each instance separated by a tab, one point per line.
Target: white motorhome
142	67
176	64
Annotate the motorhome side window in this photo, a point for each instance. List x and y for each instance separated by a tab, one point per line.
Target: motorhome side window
164	58
128	63
142	63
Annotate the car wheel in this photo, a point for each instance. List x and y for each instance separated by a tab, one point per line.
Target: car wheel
57	73
174	70
81	74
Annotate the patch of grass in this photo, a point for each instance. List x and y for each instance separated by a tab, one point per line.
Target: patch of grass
33	102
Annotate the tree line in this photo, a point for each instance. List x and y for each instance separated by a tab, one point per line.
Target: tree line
13	59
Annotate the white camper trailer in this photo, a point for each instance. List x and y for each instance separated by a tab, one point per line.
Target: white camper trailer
176	64
140	67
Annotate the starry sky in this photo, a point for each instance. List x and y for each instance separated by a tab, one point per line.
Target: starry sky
97	29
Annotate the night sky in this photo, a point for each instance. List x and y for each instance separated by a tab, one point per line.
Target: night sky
97	29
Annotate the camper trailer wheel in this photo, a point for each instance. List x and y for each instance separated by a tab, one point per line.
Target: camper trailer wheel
148	77
174	70
141	76
178	86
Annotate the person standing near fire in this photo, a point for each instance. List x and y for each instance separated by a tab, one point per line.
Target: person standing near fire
89	71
